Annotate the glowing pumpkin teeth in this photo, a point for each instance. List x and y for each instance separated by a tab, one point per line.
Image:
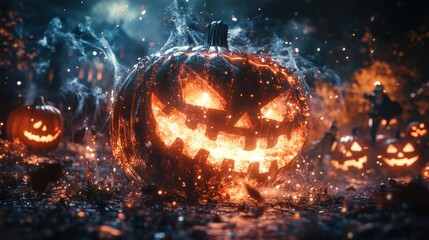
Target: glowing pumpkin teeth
211	133
244	150
191	123
347	164
272	141
43	139
250	143
401	162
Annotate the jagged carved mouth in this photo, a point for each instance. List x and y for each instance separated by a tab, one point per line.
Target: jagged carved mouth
42	138
400	162
350	163
226	146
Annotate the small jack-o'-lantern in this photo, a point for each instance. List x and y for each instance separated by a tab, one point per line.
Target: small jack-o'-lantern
425	172
350	153
38	126
401	155
207	106
418	130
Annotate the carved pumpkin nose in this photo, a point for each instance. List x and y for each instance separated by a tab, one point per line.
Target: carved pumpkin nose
400	155
244	122
349	154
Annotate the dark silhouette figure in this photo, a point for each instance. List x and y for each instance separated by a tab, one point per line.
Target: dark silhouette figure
381	108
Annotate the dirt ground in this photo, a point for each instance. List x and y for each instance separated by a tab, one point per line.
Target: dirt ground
61	195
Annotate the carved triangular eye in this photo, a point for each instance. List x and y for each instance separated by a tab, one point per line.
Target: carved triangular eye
199	93
37	125
409	148
391	149
276	109
356	147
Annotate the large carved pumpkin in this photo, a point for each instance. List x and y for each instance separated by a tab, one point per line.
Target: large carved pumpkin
350	153
189	114
38	126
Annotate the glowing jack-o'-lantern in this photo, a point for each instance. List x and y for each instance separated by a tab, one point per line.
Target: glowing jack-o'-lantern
350	153
418	130
401	155
207	110
425	172
38	126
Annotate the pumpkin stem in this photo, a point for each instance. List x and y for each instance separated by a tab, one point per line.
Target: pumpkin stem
218	34
40	100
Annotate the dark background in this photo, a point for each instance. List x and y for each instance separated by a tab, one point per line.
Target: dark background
349	34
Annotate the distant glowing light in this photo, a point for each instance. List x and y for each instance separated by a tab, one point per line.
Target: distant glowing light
18	83
318	49
94	53
234	19
296	50
143	12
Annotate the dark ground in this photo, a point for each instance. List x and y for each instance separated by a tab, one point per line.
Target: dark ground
67	194
63	195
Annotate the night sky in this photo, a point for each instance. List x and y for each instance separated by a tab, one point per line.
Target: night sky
341	36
